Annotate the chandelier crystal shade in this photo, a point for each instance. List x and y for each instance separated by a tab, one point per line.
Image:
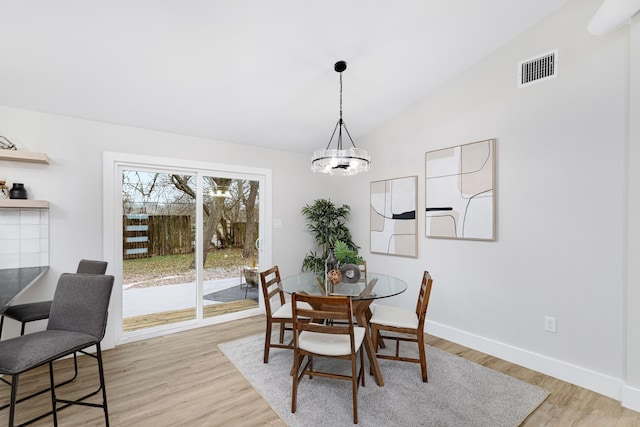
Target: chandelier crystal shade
340	160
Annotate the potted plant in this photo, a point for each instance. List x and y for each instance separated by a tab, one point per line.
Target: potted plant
327	222
346	255
348	262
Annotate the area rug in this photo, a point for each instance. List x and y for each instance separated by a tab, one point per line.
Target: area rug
459	392
234	293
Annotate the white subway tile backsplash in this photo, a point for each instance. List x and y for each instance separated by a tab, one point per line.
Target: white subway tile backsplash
29	246
9	216
9	232
9	246
10	261
44	245
29	216
30	231
24	237
44	231
30	260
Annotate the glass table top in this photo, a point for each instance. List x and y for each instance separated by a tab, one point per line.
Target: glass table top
371	286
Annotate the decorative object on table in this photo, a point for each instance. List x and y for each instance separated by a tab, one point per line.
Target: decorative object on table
18	191
4	190
393	221
334	276
5	144
350	273
327	222
332	261
349	262
460	192
340	161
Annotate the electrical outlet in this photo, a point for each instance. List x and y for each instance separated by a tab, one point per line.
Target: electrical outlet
550	324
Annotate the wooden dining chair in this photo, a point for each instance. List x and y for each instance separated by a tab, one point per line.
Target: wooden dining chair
277	310
402	321
324	338
363	270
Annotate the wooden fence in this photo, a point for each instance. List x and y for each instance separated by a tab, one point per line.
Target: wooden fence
152	235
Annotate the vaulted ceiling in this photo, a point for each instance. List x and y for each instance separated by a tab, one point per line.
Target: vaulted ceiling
248	71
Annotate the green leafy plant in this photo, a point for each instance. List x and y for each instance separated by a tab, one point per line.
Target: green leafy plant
346	255
327	223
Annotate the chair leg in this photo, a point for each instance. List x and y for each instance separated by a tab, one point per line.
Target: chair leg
102	384
14	393
281	333
54	406
1	325
267	341
81	400
362	366
294	386
22	328
423	357
354	388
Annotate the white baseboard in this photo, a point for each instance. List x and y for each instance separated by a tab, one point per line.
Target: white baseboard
600	383
631	398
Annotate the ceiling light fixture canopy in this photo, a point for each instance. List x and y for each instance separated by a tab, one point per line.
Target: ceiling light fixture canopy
340	161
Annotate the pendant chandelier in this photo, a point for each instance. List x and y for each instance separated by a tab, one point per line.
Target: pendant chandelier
340	160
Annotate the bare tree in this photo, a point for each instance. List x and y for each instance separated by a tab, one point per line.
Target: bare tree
223	201
249	202
213	209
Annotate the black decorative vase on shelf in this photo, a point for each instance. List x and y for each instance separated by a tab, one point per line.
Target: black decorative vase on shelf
18	191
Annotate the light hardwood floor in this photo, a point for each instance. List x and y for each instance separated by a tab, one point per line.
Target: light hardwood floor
184	380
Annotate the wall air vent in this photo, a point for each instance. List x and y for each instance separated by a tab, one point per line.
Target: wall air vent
537	69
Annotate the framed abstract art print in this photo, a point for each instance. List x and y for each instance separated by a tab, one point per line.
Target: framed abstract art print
460	200
393	219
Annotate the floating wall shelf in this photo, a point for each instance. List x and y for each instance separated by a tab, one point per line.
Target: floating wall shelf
24	156
22	203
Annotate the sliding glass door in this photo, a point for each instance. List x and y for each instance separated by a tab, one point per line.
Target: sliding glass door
188	241
158	265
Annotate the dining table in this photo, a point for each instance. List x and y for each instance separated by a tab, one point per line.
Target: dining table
15	281
370	287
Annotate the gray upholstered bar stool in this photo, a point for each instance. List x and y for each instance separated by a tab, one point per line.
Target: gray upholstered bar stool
30	312
78	321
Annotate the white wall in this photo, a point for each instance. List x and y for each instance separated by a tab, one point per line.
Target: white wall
72	183
561	204
631	395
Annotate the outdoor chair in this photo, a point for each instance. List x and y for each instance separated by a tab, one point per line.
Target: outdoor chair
324	338
252	279
402	321
77	320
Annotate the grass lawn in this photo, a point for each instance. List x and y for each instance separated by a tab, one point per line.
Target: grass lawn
138	268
